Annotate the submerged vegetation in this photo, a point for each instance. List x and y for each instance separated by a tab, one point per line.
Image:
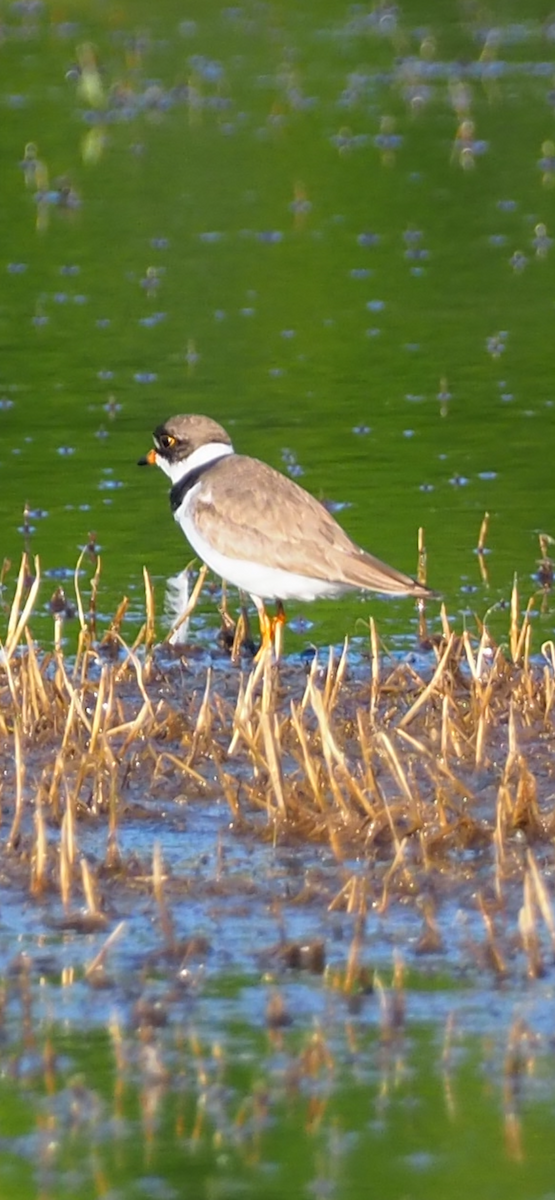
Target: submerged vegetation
428	779
263	925
418	787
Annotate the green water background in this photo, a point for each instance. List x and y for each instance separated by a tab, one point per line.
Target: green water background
252	211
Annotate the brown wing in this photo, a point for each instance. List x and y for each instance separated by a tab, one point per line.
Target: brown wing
305	538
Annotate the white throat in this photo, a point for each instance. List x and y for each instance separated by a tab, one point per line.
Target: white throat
208	453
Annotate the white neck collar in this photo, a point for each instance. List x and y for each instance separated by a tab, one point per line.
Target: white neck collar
208	453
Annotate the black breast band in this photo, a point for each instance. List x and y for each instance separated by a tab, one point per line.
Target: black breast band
184	485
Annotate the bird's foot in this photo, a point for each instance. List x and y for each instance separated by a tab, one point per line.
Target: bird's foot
271	631
278	624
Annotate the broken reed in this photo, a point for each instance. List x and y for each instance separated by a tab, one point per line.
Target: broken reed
405	772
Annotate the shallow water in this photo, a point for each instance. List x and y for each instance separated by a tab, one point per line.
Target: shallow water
278	217
271	220
249	1002
179	1051
216	1062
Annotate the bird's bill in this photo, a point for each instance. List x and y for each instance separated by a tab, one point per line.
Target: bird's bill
149	459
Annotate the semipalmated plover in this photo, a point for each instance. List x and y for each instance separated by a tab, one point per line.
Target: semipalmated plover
258	529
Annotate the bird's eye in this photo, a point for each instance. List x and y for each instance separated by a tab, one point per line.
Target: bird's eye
166	441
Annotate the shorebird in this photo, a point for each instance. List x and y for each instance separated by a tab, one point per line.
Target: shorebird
259	530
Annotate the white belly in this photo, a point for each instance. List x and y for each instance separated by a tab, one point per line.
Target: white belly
264	582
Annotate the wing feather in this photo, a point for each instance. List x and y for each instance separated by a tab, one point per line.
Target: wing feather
305	538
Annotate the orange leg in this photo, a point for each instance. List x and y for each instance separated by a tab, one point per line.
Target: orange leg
271	629
278	624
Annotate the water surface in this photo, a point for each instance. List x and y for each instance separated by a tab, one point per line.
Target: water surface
329	227
276	219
